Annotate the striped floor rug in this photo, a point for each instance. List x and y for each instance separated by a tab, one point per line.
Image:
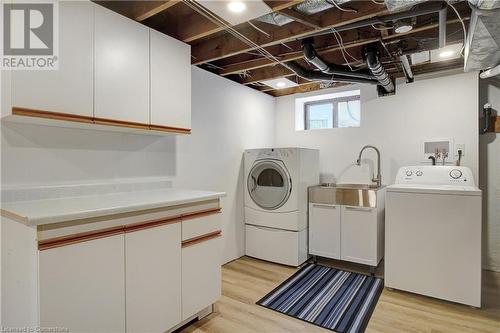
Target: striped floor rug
327	297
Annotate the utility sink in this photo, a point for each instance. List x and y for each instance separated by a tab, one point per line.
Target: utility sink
357	195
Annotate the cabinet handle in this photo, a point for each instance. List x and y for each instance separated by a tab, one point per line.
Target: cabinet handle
359	209
324	205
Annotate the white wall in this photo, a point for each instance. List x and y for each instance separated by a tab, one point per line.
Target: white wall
432	108
489	161
226	119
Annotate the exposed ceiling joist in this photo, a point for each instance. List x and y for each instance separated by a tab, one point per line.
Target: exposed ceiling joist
305	20
228	45
348	43
163	5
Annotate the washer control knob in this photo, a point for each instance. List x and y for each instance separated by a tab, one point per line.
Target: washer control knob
409	173
419	173
455	173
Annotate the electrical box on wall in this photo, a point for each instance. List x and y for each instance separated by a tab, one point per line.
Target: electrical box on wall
438	148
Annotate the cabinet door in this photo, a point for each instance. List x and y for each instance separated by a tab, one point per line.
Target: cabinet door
324	230
359	235
121	68
153	278
170	81
82	286
70	88
201	276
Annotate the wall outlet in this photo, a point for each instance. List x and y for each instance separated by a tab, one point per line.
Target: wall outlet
460	146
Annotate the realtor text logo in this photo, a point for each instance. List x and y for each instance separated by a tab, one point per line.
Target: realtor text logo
29	36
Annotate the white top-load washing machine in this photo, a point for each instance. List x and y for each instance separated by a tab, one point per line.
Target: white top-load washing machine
276	183
433	233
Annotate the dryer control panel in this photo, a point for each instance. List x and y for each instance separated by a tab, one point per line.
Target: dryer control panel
435	175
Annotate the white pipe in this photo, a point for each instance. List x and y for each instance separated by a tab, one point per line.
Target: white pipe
442	27
490	72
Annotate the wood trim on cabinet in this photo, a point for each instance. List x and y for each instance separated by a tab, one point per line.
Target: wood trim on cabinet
79	238
162	128
106	232
201	214
17	111
151	224
200	239
25	112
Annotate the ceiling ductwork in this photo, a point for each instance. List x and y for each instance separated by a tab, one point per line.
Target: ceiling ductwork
482	50
308	7
312	57
320	76
378	71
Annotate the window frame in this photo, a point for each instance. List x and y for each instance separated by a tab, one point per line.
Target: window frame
335	115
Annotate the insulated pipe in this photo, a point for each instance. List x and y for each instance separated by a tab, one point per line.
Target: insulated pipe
378	71
429	9
406	68
442	27
319	76
312	57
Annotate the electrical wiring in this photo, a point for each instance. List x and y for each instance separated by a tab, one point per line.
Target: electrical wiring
343	50
463	25
378	2
382	28
210	16
332	2
258	29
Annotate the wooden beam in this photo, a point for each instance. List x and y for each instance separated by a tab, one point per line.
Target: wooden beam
267	73
195	32
348	43
228	45
309	21
163	5
277	5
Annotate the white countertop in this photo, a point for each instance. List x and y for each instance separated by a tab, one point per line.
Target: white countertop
46	211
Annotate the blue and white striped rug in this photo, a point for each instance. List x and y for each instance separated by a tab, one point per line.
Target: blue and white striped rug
327	297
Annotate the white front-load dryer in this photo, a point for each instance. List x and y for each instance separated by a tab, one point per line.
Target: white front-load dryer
276	182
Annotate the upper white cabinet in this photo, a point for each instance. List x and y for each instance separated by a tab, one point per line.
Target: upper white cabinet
82	286
170	81
69	89
153	278
121	68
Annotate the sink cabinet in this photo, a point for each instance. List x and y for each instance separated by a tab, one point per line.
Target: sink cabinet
349	233
324	230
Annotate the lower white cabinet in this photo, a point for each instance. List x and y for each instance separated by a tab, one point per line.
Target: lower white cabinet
143	277
153	278
348	233
201	275
82	286
359	235
324	230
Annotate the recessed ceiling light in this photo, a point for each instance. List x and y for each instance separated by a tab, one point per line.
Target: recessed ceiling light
236	6
402	27
280	83
446	53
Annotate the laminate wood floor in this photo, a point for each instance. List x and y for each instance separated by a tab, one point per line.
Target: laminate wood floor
246	280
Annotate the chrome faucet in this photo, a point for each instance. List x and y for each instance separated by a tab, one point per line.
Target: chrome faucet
377	179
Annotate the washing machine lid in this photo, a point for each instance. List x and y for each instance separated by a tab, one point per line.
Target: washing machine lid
434	189
269	184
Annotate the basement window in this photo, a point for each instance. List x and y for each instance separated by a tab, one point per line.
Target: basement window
338	110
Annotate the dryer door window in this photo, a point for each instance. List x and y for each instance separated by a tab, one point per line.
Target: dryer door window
269	184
